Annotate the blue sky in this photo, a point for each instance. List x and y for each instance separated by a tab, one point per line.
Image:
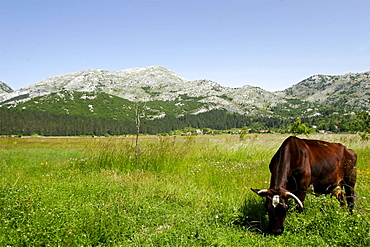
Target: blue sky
271	44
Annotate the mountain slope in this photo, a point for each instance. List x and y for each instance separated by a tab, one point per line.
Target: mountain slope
349	91
154	83
103	105
114	95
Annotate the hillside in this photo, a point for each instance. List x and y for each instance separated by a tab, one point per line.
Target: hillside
170	101
150	84
348	92
103	105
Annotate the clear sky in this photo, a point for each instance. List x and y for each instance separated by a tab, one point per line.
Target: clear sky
271	44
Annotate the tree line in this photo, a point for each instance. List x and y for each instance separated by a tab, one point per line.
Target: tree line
15	121
19	122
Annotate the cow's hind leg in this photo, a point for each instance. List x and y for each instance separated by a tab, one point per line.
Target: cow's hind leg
349	186
350	196
349	179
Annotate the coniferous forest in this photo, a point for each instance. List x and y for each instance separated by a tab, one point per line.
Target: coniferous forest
31	122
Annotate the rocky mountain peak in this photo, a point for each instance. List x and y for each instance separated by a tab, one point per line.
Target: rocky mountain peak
157	83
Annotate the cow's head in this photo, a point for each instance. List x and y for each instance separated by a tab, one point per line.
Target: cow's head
277	207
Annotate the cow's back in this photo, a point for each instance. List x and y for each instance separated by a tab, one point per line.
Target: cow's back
330	164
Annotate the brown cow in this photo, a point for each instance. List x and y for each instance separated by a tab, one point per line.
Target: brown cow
299	163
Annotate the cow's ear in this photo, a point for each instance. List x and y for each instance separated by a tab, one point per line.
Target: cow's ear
262	193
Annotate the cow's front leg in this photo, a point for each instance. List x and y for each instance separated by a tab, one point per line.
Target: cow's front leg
299	184
301	196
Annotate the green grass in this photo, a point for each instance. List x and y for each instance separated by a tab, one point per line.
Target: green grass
180	191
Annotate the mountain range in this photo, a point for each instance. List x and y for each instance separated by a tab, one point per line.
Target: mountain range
162	92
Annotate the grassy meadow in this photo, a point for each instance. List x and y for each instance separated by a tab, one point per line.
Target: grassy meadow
179	191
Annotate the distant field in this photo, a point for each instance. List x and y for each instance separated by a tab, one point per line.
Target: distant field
178	191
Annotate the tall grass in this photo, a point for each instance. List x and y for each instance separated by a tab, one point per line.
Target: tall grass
178	192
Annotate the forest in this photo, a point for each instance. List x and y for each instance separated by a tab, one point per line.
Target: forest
15	121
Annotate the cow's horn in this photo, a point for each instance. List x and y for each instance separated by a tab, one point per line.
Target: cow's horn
296	199
262	191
